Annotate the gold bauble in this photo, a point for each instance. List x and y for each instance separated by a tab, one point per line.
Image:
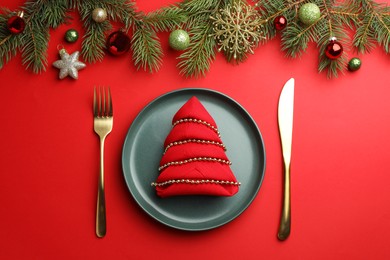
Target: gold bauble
99	15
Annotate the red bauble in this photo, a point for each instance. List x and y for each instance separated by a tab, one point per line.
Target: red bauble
16	24
280	22
118	43
334	49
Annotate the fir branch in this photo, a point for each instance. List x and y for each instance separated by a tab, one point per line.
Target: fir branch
347	13
199	11
9	44
382	27
375	27
327	30
147	51
199	6
119	10
295	39
166	19
72	4
93	43
36	36
195	61
54	13
34	52
48	13
270	9
328	27
364	37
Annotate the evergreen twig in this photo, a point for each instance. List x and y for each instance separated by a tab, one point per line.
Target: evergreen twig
375	27
165	19
196	60
368	19
9	44
147	51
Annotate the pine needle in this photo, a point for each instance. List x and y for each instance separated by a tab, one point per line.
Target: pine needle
9	44
34	51
370	21
164	19
147	51
196	60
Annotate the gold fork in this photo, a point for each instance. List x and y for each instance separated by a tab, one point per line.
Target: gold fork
102	124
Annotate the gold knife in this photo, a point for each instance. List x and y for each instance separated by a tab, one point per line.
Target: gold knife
285	120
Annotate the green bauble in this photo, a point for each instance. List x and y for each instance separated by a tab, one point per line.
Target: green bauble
309	13
179	40
71	35
354	64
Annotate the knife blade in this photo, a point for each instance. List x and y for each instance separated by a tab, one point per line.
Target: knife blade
285	121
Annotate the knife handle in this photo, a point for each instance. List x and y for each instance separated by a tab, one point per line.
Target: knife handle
285	221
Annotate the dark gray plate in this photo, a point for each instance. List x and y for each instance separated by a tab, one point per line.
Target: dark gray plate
143	149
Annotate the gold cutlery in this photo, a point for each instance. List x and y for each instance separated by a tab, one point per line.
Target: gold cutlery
285	120
102	124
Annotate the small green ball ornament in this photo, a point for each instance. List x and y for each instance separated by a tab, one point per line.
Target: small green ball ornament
309	13
179	40
71	35
354	64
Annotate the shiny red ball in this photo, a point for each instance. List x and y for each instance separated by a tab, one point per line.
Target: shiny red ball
333	50
280	22
118	43
16	24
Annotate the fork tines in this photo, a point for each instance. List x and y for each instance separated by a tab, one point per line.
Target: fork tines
102	104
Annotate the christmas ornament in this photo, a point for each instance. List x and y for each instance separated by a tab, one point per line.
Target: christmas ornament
354	64
334	49
16	23
236	29
237	36
99	15
179	40
71	35
280	22
309	13
118	43
69	64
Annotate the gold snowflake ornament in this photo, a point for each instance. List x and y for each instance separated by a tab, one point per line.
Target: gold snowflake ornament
237	29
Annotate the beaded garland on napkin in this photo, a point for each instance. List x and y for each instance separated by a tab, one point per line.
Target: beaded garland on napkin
194	160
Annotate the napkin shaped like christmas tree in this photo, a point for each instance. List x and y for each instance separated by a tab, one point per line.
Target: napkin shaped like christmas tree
194	161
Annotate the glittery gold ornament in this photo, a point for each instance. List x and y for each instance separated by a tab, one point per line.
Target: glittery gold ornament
99	15
236	29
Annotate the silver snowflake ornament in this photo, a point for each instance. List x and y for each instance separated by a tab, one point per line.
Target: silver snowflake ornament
69	64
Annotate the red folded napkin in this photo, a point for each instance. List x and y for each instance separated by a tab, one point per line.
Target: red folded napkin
194	161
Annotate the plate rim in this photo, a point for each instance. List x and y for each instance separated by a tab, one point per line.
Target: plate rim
189	90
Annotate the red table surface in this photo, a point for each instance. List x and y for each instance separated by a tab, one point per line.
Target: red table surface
340	166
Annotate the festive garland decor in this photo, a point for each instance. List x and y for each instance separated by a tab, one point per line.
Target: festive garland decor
199	28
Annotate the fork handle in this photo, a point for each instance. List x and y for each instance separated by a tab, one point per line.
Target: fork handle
101	201
285	221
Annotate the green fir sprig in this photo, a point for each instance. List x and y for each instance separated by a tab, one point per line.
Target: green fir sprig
9	44
366	20
166	18
333	22
196	60
147	51
374	27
